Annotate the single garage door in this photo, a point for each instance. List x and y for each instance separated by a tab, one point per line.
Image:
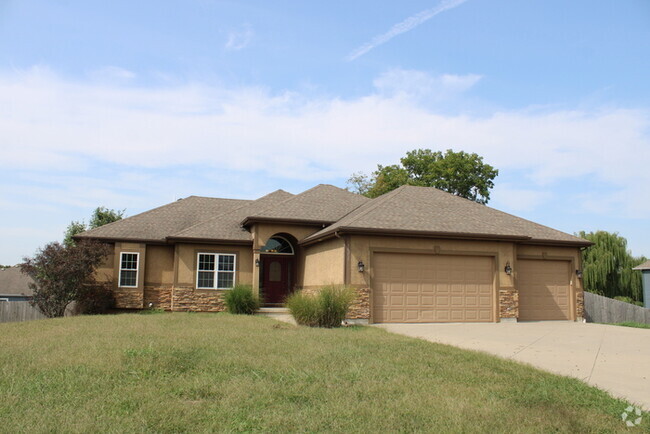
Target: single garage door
544	292
432	288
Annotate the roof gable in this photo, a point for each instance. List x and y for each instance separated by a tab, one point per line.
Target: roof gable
323	204
428	210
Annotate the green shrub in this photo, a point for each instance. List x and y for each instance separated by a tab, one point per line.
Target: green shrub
327	308
95	299
152	311
628	300
241	300
304	308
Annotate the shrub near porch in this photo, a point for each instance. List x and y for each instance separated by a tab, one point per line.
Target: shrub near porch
219	372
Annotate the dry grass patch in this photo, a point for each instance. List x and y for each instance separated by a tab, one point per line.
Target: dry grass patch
221	372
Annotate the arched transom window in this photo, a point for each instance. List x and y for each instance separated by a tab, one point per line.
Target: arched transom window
277	245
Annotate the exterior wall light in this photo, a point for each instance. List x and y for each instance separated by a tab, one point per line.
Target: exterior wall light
257	262
579	274
508	268
361	266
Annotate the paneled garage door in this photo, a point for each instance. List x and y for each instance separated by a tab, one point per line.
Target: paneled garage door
544	292
432	288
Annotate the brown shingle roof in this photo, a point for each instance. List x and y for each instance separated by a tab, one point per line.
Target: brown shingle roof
427	210
14	282
228	225
159	223
321	204
644	266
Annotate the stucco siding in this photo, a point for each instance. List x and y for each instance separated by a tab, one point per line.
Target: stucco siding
159	266
324	263
104	273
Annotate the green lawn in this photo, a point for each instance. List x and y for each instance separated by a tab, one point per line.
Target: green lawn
634	324
219	372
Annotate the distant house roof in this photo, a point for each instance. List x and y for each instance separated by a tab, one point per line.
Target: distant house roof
14	282
644	266
323	204
425	210
159	223
407	211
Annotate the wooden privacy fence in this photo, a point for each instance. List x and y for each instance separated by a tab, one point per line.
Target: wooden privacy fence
609	311
11	311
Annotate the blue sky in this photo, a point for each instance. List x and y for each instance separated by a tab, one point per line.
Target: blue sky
135	104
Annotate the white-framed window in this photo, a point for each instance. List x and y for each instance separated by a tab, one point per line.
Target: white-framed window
129	269
215	270
4	299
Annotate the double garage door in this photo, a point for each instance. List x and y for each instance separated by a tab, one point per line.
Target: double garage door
412	288
432	288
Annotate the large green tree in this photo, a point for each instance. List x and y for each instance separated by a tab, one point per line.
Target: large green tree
100	217
459	173
607	266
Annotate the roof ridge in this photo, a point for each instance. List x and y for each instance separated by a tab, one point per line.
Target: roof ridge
249	203
260	211
375	203
295	196
217	198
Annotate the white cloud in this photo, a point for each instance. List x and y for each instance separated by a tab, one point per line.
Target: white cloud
517	199
404	26
52	125
420	84
239	39
112	74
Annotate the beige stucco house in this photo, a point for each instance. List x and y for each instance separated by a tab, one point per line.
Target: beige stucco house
416	254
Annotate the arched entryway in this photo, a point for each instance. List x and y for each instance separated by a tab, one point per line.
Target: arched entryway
277	269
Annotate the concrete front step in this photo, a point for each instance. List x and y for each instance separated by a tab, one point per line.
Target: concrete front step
273	310
277	313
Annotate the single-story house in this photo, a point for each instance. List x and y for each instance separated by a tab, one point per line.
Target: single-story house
416	254
14	285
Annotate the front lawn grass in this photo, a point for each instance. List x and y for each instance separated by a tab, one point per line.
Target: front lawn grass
633	324
220	372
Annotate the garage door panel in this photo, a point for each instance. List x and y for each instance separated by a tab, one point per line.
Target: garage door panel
436	288
544	290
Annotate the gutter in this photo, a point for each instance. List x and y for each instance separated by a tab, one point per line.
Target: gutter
443	235
208	241
121	240
250	220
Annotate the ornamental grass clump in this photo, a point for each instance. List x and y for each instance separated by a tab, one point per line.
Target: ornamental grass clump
303	308
327	308
241	300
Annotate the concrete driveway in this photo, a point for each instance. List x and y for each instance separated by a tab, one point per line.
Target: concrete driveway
613	358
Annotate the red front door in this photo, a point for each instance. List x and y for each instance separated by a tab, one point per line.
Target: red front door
276	277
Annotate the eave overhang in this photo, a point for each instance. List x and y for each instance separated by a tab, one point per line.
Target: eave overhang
442	235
